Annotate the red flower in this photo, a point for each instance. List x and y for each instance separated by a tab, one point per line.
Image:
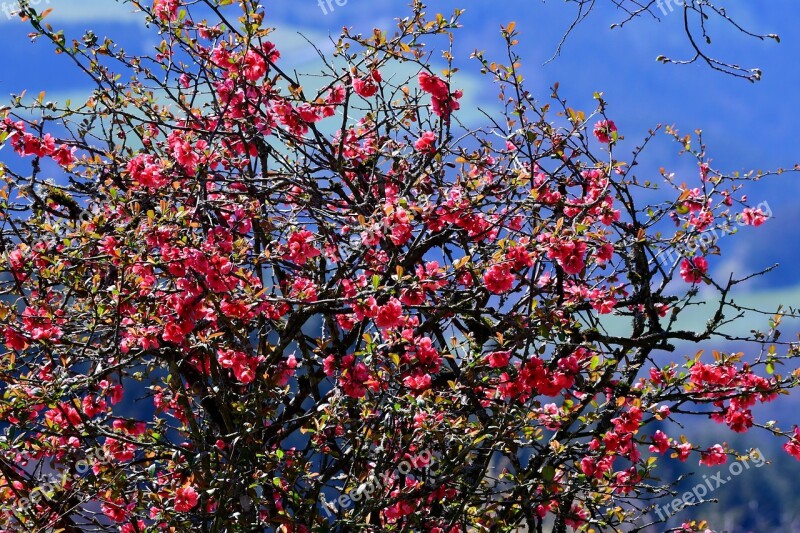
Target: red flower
683	450
166	10
116	509
443	102
793	446
93	406
588	466
693	270
498	278
714	456
753	217
301	247
14	340
368	85
426	142
660	442
569	255
185	499
244	367
605	130
433	85
64	156
498	359
16	261
146	172
418	381
390	315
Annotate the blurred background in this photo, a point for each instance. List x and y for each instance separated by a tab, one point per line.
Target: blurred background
746	126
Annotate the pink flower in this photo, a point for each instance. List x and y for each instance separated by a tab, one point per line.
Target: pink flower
660	443
368	85
793	446
426	142
714	456
498	278
146	172
30	145
93	406
605	130
255	66
176	331
304	289
183	151
693	270
185	499
444	107
569	255
301	247
683	450
128	528
433	85
498	359
244	367
390	315
166	10
14	340
753	217
588	466
400	225
16	260
443	102
116	509
336	95
64	156
418	382
40	325
604	253
119	450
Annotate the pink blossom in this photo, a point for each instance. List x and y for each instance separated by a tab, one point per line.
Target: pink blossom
300	247
443	102
433	85
390	315
244	366
146	172
418	382
693	270
368	85
753	217
714	456
683	450
605	130
793	446
660	442
426	142
498	278
166	10
498	359
185	499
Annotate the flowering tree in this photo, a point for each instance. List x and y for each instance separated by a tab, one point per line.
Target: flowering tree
240	300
